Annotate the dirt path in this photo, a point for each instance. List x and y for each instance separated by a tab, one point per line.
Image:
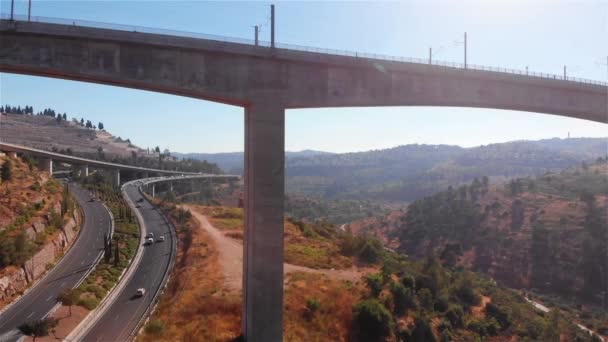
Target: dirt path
231	257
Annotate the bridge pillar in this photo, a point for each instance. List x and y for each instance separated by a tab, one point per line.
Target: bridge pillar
46	164
153	191
116	177
83	171
12	155
171	186
263	240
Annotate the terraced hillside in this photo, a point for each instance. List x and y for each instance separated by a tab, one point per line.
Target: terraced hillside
46	133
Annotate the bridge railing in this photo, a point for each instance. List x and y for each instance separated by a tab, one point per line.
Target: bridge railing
143	29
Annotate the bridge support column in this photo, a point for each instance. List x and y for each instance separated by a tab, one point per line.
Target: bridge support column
12	155
153	191
83	171
46	165
171	186
116	177
263	240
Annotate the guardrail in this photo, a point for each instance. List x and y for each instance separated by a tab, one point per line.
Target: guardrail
166	277
293	47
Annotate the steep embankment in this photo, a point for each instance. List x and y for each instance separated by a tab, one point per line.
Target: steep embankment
38	221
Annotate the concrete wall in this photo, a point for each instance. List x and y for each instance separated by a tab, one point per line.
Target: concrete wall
238	74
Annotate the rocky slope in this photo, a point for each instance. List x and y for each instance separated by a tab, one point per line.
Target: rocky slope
33	234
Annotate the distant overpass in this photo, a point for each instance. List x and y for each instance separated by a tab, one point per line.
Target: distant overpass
149	183
266	81
47	158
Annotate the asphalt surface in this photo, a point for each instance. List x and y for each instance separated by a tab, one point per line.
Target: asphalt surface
123	315
37	302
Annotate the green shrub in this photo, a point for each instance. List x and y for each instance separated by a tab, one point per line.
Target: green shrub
155	327
455	315
425	298
88	303
371	251
372	321
312	305
375	282
403	298
408	281
501	315
422	332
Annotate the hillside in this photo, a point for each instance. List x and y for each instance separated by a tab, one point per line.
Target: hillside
46	133
400	300
71	137
232	162
38	221
548	232
405	173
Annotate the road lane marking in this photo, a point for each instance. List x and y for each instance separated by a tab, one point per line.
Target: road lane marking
51	296
30	315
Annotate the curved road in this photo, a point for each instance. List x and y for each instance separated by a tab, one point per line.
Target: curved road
72	268
123	315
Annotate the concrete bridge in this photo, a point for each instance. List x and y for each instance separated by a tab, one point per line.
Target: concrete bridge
149	184
47	159
266	82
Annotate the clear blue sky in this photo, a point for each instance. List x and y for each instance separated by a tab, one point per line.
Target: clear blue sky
542	34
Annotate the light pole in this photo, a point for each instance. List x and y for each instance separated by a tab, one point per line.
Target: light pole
12	8
29	10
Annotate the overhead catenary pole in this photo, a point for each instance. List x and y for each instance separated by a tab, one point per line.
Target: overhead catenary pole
465	50
564	72
29	10
430	55
12	9
272	26
256	35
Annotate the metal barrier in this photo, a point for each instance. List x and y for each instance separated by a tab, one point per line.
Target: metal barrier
143	29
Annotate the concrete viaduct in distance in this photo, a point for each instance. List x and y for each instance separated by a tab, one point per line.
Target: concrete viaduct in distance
47	158
267	81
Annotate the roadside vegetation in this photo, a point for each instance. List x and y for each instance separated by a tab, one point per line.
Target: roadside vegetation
194	306
118	253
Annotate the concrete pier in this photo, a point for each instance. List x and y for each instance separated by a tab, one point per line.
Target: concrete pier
46	165
263	237
83	171
116	177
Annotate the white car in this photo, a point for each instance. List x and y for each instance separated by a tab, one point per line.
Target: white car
140	292
151	235
161	239
149	241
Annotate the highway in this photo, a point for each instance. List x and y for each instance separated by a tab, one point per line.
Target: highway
71	269
122	316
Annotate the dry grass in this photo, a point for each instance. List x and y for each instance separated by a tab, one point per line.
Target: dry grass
332	320
194	306
309	251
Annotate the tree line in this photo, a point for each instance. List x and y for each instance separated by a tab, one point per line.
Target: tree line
29	110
